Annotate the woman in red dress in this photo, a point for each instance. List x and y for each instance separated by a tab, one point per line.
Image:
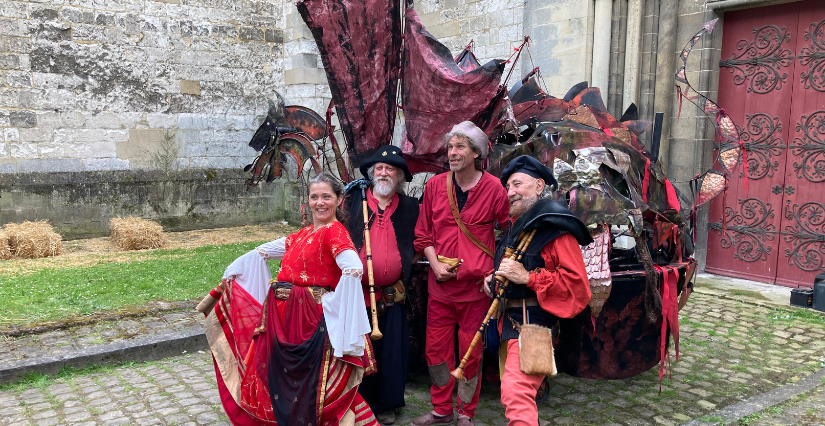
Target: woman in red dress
295	351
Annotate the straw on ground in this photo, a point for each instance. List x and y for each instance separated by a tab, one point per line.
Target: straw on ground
134	233
33	240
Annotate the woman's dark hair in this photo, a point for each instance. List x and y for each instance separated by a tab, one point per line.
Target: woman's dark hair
337	188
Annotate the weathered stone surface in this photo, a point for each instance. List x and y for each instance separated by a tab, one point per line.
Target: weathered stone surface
179	198
274	35
77	80
23	118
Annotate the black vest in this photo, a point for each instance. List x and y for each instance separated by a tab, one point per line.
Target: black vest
403	221
531	260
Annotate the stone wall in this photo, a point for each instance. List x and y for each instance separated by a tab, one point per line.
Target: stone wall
94	85
80	204
110	86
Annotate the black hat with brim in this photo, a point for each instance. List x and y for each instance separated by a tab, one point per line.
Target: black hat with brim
529	166
389	154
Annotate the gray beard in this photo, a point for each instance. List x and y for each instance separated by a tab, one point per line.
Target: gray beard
527	204
384	188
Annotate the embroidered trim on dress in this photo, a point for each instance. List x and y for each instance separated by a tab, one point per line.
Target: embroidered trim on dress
353	272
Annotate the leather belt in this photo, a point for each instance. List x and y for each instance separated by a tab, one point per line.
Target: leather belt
282	290
517	303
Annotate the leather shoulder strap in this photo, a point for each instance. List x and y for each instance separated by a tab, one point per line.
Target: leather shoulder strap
457	217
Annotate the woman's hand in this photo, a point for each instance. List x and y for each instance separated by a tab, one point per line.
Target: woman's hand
514	271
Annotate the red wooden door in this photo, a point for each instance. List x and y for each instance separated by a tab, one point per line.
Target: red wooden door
802	228
772	83
756	82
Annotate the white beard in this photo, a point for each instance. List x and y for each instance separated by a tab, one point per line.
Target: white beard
384	186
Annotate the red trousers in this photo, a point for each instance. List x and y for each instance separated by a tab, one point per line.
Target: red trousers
518	390
442	317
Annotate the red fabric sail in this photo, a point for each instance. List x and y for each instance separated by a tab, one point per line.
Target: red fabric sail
437	94
360	45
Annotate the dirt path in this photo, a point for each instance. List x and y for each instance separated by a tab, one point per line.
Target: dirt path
99	250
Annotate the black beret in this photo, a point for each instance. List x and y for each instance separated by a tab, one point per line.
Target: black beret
389	154
529	166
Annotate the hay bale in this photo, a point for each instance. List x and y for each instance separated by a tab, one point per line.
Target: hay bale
5	253
134	233
32	240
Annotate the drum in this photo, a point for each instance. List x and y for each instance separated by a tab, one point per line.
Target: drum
621	342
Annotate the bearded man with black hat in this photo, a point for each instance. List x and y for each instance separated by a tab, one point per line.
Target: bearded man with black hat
550	281
392	218
456	233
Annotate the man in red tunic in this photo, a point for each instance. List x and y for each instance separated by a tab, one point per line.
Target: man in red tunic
457	220
549	283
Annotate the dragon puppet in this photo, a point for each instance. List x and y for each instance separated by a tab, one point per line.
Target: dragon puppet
606	177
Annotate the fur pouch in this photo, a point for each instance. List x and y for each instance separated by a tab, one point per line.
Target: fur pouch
535	351
399	291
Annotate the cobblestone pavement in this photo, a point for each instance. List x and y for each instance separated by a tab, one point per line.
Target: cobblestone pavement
729	352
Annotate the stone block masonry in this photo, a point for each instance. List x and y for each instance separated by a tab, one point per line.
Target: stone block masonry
86	74
120	86
80	204
111	86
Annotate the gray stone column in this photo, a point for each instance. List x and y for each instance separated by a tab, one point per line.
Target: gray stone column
633	49
561	29
665	68
617	46
603	18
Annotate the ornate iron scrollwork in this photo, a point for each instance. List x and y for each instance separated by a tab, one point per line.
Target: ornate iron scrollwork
806	235
747	230
810	147
813	57
762	144
761	61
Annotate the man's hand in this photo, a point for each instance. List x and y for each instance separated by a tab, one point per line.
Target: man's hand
440	271
487	286
514	271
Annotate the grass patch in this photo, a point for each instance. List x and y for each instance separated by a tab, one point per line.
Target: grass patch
40	380
170	275
666	394
810	316
750	419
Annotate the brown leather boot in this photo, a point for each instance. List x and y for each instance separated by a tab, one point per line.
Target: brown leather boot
432	418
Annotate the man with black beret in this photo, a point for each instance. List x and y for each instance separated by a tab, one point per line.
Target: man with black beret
550	281
392	218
